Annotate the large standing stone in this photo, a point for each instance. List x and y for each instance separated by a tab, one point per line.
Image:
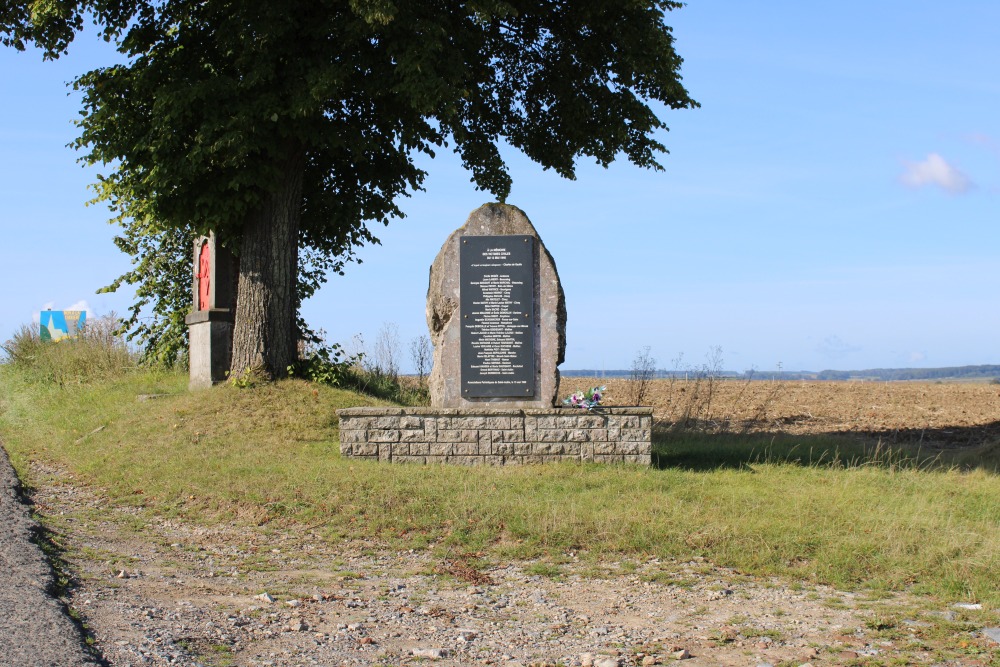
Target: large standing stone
444	316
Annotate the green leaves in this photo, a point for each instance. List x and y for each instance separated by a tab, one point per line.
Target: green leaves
196	124
197	118
374	12
49	24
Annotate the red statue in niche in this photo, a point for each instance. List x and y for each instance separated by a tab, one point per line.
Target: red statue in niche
204	268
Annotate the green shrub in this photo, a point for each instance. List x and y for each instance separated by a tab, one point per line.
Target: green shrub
325	364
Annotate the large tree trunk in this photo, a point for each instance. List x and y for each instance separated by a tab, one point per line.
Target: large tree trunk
264	340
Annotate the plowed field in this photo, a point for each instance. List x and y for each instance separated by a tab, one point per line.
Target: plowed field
945	414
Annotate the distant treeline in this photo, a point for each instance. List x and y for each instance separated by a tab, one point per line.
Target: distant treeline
982	372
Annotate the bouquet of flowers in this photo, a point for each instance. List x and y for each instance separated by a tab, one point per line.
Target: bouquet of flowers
587	400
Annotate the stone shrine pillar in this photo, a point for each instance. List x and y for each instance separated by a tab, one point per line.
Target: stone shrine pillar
210	323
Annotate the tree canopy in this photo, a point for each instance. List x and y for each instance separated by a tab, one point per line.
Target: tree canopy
296	124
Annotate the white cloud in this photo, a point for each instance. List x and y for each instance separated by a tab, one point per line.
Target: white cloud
80	305
36	317
935	170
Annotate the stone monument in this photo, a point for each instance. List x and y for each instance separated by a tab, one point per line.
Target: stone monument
210	323
496	314
497	317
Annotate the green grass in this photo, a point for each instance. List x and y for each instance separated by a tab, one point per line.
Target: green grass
95	353
269	456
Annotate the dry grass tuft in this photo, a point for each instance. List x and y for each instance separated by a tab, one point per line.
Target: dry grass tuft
97	352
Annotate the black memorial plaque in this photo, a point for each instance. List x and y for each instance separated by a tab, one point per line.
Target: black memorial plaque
498	316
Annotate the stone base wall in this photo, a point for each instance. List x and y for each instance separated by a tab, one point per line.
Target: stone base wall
497	436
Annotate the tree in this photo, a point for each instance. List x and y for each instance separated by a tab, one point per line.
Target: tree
296	124
161	274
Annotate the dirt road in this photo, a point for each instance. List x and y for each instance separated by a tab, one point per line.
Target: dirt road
163	592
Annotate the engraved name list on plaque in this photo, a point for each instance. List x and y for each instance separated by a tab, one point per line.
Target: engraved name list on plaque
498	316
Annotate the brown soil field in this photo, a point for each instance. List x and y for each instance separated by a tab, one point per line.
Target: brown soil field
943	415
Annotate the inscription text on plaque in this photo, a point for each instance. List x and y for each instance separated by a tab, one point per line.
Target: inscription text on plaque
498	316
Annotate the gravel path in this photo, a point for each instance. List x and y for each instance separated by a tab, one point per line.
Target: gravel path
34	627
157	592
161	592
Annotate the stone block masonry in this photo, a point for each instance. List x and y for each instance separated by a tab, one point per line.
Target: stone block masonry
497	436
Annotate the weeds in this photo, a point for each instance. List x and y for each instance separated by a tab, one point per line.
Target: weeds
377	374
385	360
544	569
325	364
249	378
397	390
642	373
331	365
691	405
96	353
421	354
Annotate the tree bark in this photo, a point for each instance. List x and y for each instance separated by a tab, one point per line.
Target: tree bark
264	327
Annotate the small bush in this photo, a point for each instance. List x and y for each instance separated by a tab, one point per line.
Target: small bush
24	347
97	352
325	364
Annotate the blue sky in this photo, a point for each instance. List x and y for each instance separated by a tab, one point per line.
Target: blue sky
833	204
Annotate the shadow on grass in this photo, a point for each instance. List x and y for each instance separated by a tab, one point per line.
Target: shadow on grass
962	448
